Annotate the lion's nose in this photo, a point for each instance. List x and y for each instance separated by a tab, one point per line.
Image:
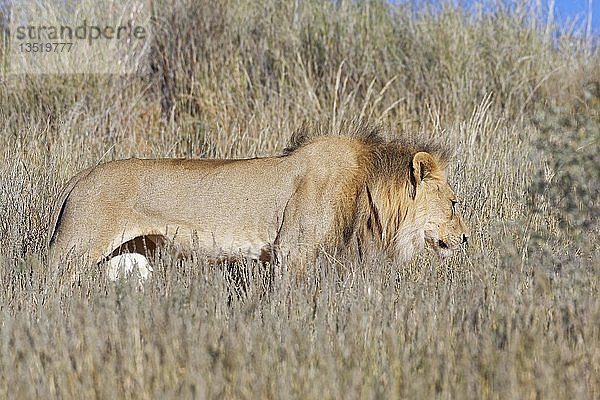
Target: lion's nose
465	238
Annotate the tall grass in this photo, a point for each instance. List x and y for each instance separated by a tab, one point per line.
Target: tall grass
517	315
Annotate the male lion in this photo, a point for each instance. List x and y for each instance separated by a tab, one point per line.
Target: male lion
326	192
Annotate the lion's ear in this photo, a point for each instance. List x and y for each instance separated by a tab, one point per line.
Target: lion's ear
423	165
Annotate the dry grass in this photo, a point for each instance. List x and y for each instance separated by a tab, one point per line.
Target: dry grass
516	316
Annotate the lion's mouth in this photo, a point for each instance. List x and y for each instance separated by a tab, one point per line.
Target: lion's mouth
443	249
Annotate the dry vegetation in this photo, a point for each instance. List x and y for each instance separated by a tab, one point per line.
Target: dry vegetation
516	316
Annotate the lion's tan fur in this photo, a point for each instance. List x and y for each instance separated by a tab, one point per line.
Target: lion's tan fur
337	193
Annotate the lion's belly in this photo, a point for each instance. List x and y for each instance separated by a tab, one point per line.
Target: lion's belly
220	226
215	243
233	247
215	212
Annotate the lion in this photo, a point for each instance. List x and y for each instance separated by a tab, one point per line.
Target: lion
326	192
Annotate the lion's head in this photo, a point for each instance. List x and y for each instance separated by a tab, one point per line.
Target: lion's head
437	204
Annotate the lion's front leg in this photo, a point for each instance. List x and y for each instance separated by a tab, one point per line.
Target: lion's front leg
304	231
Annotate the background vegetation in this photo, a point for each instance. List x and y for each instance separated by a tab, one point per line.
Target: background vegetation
517	315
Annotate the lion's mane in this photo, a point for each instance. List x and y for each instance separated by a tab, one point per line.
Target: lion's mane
379	195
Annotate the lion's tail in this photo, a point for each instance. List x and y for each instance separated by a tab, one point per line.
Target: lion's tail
60	204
